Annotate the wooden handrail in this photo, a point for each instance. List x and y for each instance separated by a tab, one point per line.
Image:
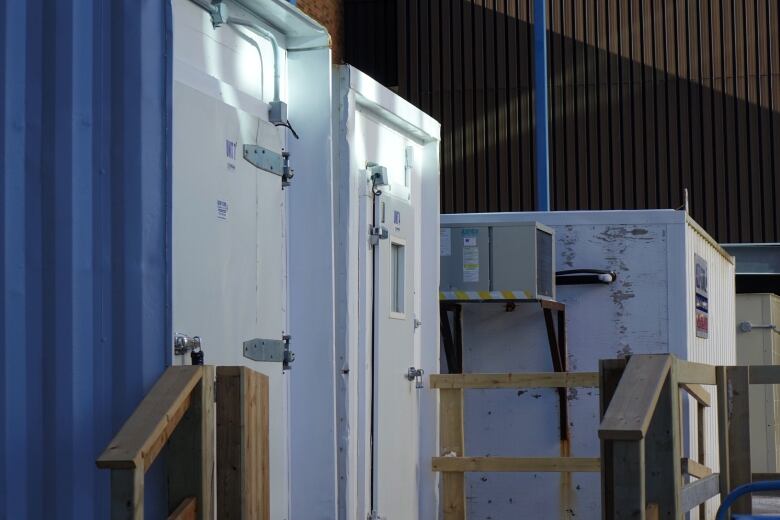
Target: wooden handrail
631	408
516	380
146	431
689	372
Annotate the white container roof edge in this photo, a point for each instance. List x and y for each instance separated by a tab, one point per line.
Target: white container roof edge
641	216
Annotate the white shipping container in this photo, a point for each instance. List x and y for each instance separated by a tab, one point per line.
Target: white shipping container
650	308
758	343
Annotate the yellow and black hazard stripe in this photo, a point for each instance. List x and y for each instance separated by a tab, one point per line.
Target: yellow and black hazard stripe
483	295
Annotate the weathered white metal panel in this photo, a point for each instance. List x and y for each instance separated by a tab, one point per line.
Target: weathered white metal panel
373	124
719	348
761	346
644	311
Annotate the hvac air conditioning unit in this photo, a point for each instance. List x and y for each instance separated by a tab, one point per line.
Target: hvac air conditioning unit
497	262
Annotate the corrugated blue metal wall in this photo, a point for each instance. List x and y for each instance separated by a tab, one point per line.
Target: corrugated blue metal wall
84	200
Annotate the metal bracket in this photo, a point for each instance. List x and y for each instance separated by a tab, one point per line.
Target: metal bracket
270	350
377	233
264	159
415	374
746	326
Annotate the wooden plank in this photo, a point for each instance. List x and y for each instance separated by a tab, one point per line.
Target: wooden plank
190	460
689	372
663	478
723	429
652	512
631	409
737	380
143	435
698	492
694	469
451	443
243	480
187	510
628	499
758	477
610	372
765	375
701	431
517	464
517	380
697	392
127	494
256	442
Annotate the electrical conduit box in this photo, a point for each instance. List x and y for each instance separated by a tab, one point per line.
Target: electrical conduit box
497	262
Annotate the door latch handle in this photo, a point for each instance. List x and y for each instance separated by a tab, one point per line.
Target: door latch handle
415	374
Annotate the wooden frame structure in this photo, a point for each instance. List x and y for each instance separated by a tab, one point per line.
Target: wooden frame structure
642	472
452	339
453	463
180	413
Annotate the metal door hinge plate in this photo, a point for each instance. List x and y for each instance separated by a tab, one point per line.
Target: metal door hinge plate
264	159
270	350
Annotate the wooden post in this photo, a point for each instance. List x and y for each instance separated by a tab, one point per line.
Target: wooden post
663	468
610	372
191	451
701	440
627	497
243	483
451	442
127	494
738	393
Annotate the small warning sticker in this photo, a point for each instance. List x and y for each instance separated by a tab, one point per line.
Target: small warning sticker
222	209
445	241
470	255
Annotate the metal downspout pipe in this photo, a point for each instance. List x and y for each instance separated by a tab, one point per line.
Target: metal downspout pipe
540	108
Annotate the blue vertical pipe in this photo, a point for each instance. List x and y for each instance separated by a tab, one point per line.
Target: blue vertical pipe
542	122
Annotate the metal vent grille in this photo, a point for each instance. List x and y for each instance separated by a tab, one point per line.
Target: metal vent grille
544	263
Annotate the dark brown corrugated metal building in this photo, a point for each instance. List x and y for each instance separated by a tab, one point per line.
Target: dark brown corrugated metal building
648	98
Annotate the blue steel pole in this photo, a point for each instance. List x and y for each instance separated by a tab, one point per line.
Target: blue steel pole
542	122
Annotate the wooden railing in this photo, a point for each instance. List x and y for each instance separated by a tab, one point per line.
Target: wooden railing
180	414
453	463
640	402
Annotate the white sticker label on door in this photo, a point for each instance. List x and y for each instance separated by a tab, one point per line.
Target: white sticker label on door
445	242
222	209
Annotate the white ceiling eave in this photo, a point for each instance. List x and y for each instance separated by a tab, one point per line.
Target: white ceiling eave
300	30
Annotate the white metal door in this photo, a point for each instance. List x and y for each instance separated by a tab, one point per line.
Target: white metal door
395	399
228	249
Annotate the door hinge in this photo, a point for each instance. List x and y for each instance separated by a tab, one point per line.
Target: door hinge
264	159
270	350
376	234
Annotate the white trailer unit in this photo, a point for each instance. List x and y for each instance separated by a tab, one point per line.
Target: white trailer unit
758	343
651	307
387	215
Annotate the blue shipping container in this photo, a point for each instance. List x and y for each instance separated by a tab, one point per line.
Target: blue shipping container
84	229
